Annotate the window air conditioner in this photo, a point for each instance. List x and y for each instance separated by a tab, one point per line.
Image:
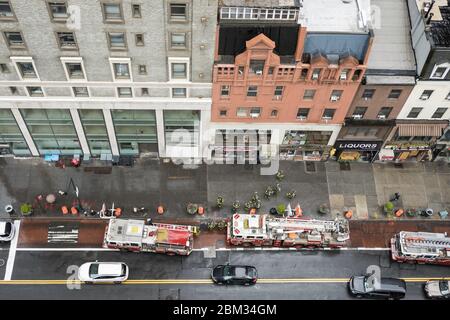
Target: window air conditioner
315	76
423	98
334	98
254	115
343	77
277	98
357	116
326	118
381	116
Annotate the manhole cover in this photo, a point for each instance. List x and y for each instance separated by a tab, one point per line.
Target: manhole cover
344	166
310	166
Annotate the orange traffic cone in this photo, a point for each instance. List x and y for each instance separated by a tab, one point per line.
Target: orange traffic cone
160	210
349	214
201	210
64	210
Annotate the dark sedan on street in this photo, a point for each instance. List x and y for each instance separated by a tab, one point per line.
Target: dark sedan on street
368	287
231	274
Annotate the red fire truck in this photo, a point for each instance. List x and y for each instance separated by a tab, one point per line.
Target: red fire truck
264	230
421	247
135	235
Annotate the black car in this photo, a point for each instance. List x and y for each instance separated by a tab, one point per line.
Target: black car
229	274
387	288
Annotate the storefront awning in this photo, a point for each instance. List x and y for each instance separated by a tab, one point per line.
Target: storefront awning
421	130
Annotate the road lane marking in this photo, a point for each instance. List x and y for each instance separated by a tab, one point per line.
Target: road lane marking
12	252
205	281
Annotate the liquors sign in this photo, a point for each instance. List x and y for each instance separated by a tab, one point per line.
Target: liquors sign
358	145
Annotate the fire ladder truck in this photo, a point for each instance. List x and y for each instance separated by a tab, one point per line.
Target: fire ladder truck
135	235
421	247
263	230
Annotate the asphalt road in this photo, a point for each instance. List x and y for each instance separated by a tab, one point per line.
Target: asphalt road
283	275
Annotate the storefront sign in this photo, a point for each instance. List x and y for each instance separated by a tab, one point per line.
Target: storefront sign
359	145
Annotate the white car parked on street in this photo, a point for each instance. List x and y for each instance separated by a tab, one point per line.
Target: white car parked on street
103	272
7	231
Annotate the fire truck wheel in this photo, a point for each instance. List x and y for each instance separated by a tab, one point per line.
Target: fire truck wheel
246	244
117	282
88	282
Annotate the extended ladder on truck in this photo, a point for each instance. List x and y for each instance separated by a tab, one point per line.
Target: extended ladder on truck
421	247
424	242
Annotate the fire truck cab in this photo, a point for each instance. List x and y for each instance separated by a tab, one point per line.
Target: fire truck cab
421	247
135	235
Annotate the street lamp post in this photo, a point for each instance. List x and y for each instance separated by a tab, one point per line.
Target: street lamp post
77	192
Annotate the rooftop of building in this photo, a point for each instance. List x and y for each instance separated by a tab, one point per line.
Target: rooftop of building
348	16
391	47
437	19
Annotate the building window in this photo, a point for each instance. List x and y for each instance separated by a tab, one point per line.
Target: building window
74	70
344	74
384	112
302	113
13	90
121	70
395	94
124	92
179	70
95	131
274	113
426	94
241	70
257	66
225	91
309	94
439	113
144	92
278	91
52	130
414	113
178	40
270	71
223	113
117	40
112	12
179	93
303	74
26	70
14	40
66	40
448	96
35	91
6	11
316	74
136	8
241	112
178	11
440	71
368	94
58	11
252	91
356	75
142	69
4	68
139	37
80	92
328	114
359	112
336	95
255	112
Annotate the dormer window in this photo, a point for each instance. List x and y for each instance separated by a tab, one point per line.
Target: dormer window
257	66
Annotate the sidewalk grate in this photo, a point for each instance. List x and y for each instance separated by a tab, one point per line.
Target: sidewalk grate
344	166
310	166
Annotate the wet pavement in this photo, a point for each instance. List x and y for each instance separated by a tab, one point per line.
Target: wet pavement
360	187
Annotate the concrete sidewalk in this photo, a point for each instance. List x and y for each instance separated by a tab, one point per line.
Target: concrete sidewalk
360	187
